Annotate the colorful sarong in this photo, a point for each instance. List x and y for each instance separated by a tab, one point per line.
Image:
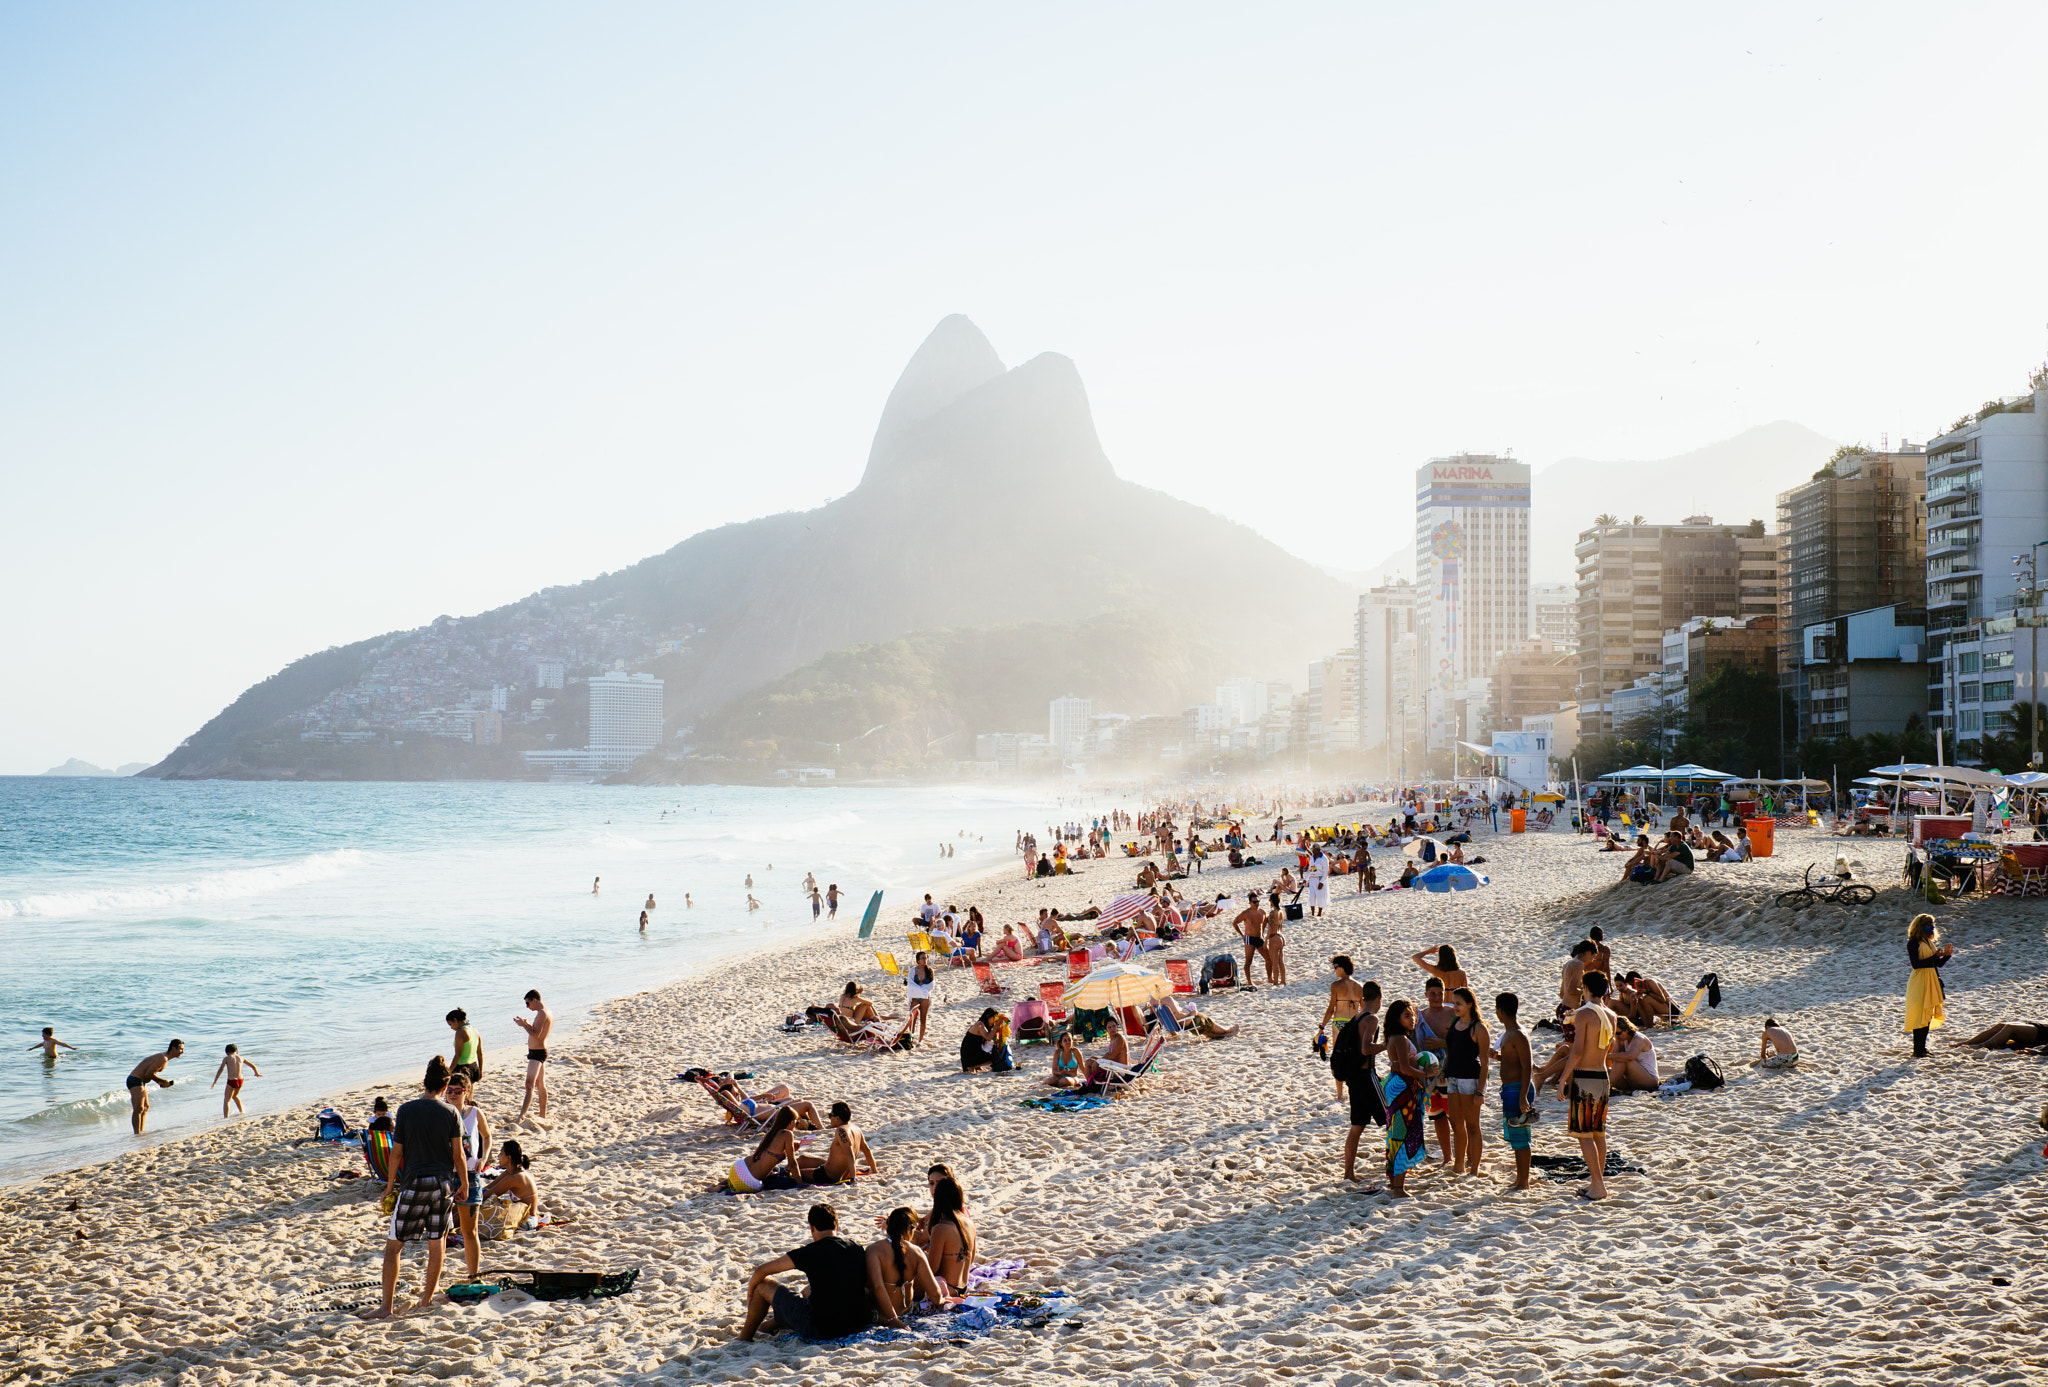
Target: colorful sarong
1404	1123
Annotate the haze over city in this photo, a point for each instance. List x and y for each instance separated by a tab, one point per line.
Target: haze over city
319	330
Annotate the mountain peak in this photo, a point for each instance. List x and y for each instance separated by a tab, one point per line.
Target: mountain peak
953	360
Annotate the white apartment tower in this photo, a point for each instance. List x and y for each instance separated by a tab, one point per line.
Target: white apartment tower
1472	569
625	713
1386	657
1072	720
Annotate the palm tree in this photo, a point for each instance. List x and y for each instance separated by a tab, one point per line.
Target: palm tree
1635	520
1603	518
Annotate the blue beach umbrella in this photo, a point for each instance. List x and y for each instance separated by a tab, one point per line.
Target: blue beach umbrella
1450	876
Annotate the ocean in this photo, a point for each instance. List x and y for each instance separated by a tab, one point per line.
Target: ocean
327	929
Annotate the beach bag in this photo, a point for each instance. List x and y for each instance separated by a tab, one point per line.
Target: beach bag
1292	910
332	1127
1702	1073
496	1220
1347	1062
1646	875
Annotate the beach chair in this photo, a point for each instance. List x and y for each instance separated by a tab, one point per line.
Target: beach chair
736	1116
1134	1023
1177	969
888	962
1053	995
1121	1078
1077	965
877	1037
377	1154
987	980
920	942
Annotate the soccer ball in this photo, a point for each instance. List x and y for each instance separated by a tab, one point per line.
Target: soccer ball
1427	1061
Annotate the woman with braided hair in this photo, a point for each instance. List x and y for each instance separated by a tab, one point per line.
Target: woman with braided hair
899	1274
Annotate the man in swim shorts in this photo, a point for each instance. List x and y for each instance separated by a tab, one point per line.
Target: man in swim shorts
150	1071
848	1146
1777	1049
1517	1094
428	1167
536	1052
1436	1020
1584	1079
232	1064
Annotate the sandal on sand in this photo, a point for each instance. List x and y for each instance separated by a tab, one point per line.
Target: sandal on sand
1587	1194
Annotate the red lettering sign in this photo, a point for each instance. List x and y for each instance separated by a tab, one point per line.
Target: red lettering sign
1462	474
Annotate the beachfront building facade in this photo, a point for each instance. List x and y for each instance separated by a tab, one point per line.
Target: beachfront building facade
1863	672
1388	711
1554	614
1333	702
1987	504
1070	723
625	713
1472	569
1635	582
1855	538
1534	677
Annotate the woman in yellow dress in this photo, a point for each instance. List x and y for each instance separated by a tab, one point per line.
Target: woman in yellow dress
1926	953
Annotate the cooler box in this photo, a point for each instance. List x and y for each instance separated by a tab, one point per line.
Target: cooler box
1760	831
1930	826
1517	818
1745	809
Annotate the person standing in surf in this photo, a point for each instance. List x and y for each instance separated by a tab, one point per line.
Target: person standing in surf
150	1071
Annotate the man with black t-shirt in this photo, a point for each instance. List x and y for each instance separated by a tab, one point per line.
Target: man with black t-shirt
426	1153
838	1303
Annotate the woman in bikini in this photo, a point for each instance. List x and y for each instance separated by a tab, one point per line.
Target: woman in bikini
1066	1063
752	1174
950	1237
1276	950
1445	969
1467	1051
515	1182
899	1274
1632	1063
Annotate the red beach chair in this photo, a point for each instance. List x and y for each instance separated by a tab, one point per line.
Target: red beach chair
1052	994
988	981
1077	965
1177	969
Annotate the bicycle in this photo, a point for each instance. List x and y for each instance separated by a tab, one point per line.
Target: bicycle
1840	890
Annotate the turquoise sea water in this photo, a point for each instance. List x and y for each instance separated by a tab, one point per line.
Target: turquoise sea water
327	929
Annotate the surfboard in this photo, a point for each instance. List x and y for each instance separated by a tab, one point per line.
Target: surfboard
867	921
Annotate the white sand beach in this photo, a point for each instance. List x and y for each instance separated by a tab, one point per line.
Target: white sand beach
1861	1218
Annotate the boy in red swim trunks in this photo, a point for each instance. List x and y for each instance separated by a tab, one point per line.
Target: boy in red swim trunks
232	1064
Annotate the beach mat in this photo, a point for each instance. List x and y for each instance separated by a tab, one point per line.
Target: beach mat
1574	1167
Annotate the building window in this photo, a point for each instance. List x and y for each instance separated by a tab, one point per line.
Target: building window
1997	690
1969	721
1966	662
1966	693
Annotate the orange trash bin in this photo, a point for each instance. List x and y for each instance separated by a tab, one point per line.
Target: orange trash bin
1516	819
1760	836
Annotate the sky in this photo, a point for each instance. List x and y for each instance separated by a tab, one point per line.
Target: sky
321	322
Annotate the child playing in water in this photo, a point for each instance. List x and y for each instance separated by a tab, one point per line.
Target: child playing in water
232	1064
49	1043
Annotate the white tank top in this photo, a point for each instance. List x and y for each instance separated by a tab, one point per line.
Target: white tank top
470	1138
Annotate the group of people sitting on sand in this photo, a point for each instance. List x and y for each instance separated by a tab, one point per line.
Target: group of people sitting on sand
921	1263
1676	853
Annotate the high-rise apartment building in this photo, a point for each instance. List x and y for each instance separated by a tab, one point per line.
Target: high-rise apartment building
1071	720
1855	538
547	674
1535	677
1987	504
1386	672
1243	700
1554	614
1333	702
1638	581
625	713
1472	565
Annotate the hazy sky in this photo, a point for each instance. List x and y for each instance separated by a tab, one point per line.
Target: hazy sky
317	323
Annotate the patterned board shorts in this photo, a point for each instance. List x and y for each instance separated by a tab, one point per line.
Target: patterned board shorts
425	1209
1588	1116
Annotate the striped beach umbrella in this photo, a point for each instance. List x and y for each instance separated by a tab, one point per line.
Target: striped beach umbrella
1125	907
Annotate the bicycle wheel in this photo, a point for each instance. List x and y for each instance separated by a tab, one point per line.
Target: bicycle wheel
1857	895
1796	900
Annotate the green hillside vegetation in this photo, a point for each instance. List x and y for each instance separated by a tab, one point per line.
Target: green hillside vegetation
918	701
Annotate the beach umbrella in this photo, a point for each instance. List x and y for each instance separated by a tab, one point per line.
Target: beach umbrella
1956	775
1689	771
1636	773
1903	768
1125	907
1117	984
1414	848
2027	780
1882	784
1449	876
867	921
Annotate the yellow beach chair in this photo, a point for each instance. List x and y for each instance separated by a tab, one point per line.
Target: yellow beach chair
888	962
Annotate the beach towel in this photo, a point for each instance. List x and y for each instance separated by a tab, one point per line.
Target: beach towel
1574	1167
1067	1102
1403	1100
977	1315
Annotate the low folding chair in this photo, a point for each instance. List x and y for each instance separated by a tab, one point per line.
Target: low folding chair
888	962
1078	965
735	1114
377	1154
987	979
1177	969
1053	995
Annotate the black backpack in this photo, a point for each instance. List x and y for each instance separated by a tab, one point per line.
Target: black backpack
1702	1073
1346	1061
